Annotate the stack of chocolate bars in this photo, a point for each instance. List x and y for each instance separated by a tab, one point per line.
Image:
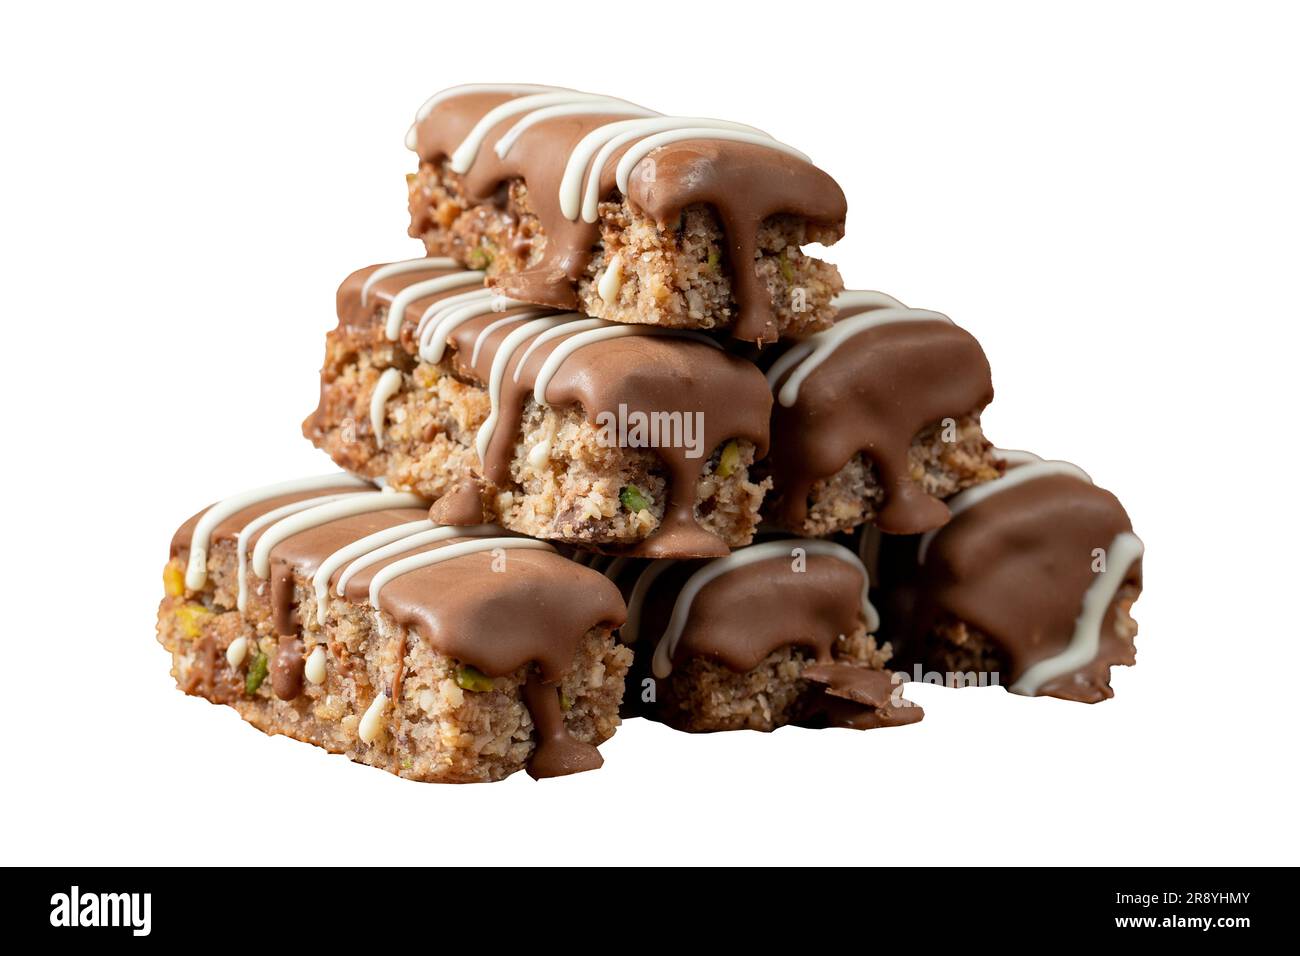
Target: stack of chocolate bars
616	445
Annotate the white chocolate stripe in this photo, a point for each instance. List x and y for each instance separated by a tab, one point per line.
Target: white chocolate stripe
418	540
569	328
967	499
499	363
385	389
816	349
603	142
321	579
1015	456
590	336
855	298
428	558
196	571
663	657
638	152
419	290
609	105
589	157
486	332
260	522
425	264
462	158
631	631
1085	642
433	343
466	90
441	307
324	514
581	332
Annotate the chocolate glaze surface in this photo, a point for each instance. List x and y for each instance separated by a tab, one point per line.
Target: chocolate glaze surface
744	182
752	610
1016	567
872	395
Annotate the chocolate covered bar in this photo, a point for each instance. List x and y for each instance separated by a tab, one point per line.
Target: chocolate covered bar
339	614
778	633
587	202
627	438
877	419
1030	585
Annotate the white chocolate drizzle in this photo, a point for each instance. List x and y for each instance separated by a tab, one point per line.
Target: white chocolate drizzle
349	552
592	107
324	514
804	357
442	318
260	522
604	141
662	664
601	333
419	290
462	158
467	89
498	372
535	327
385	389
417	540
428	558
1085	642
964	500
1125	550
196	570
424	264
645	129
639	151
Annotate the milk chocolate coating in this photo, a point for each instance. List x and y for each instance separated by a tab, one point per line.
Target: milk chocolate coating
747	613
1015	567
872	395
745	183
535	611
460	507
647	374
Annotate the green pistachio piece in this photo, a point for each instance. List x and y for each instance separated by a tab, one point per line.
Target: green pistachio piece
729	460
257	672
472	679
632	499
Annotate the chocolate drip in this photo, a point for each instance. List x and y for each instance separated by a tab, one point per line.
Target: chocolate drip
558	752
460	507
873	395
744	615
745	183
533	610
643	374
855	698
287	667
284	614
1015	567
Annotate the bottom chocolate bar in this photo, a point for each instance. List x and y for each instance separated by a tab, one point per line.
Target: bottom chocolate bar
339	614
776	633
1030	586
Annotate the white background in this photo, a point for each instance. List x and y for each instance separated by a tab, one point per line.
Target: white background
1107	197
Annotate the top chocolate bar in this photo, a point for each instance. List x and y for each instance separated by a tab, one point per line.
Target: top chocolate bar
581	201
